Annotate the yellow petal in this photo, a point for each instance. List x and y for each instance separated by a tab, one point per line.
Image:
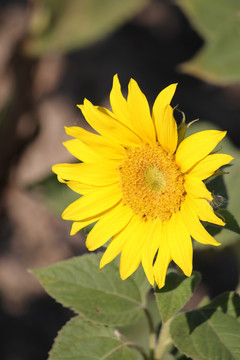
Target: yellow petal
120	107
132	249
163	259
79	225
81	151
76	186
180	243
110	224
209	165
93	203
106	111
116	245
195	147
67	171
79	188
139	110
150	249
90	174
108	126
205	211
163	99
195	228
195	187
105	147
167	130
117	101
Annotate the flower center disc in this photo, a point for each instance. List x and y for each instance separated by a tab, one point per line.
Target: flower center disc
151	182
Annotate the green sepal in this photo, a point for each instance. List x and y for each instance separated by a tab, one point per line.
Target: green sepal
183	127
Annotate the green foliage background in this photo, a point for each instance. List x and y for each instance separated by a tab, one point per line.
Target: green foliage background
218	23
66	25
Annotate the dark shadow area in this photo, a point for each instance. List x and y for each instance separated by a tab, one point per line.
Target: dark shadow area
227	303
195	318
30	335
219	270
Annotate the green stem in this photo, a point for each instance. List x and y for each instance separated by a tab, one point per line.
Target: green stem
152	334
138	348
133	345
164	341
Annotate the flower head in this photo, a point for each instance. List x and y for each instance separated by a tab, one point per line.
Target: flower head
142	183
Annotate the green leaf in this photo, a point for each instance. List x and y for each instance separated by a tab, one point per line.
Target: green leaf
137	332
212	332
99	296
228	303
175	294
169	357
64	25
84	340
231	222
218	22
153	310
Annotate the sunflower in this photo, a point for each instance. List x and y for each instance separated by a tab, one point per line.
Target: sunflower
141	182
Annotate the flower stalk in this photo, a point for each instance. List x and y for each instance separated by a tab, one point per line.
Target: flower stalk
164	341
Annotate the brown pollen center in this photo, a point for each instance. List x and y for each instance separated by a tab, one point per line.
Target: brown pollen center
151	182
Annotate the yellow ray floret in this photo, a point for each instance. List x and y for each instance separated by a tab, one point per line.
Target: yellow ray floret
141	184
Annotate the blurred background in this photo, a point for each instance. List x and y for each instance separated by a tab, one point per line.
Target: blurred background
53	54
